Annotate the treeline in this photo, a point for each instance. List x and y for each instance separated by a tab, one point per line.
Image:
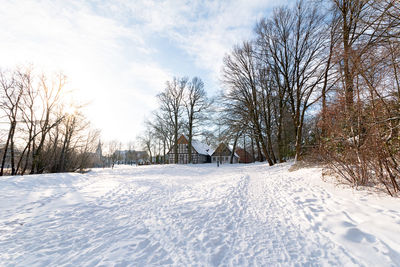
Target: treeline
41	132
183	109
115	152
322	75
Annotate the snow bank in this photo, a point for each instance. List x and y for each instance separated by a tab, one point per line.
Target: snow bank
237	215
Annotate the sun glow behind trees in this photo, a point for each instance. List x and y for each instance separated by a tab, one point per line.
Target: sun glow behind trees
45	133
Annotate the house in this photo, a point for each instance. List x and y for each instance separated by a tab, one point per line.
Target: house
131	157
244	156
223	155
201	153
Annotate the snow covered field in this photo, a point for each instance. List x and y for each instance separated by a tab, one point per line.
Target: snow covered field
241	215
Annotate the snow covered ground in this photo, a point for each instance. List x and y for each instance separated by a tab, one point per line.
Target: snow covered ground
241	215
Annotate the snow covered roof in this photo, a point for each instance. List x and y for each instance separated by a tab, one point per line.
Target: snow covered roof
223	147
202	148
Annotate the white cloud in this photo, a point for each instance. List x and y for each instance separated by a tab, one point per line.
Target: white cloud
103	47
205	29
92	51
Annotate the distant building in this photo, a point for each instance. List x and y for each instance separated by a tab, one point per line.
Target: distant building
97	157
141	157
201	153
223	154
99	151
131	157
244	156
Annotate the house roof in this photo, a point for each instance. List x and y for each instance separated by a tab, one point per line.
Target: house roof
201	148
223	147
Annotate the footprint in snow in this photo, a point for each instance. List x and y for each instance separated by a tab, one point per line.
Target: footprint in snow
356	235
347	224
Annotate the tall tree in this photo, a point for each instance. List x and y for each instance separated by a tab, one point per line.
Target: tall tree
196	103
171	104
147	140
294	39
12	90
362	25
240	75
162	131
51	96
28	116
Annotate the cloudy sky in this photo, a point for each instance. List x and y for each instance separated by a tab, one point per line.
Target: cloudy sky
118	54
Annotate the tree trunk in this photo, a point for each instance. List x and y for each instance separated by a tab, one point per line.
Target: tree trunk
176	139
263	145
270	147
259	153
190	139
3	162
252	148
12	152
164	159
324	89
37	164
279	139
244	147
265	150
299	135
234	148
348	75
298	143
27	147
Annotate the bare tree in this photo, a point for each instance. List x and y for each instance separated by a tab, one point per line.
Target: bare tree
294	41
112	151
171	104
196	103
240	76
12	90
86	157
28	112
147	140
73	125
362	126
50	93
163	132
41	136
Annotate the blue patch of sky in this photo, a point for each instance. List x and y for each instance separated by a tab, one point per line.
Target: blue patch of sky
169	55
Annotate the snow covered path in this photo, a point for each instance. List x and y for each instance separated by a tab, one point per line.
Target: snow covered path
241	215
